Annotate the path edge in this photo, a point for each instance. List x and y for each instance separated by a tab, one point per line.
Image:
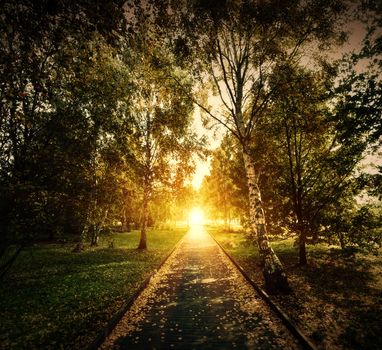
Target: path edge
108	328
305	342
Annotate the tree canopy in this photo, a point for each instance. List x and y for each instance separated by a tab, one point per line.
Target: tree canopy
96	107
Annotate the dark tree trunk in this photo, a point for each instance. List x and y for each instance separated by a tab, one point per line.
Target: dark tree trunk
125	219
79	248
302	249
302	235
143	240
145	218
96	229
124	223
275	277
4	268
51	236
342	240
94	236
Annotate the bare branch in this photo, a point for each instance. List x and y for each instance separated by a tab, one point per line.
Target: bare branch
230	109
205	109
226	81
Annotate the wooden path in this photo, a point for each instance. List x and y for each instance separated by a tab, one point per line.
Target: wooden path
199	300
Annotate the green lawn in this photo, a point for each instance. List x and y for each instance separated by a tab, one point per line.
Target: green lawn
53	298
236	244
336	298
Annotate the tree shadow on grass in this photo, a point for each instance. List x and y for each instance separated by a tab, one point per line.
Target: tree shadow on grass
340	274
32	263
346	280
336	298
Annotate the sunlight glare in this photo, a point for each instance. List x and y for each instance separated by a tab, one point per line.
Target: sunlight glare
196	217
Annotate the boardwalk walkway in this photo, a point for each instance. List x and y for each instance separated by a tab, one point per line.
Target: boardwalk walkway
198	300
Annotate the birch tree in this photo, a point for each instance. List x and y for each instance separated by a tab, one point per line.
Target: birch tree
239	45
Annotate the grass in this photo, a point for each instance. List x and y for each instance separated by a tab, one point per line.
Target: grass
54	298
337	297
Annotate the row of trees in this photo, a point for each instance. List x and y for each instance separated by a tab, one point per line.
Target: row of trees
308	148
249	44
92	131
300	131
96	100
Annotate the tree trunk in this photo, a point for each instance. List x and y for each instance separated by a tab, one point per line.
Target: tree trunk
301	233
126	225
145	216
302	249
273	271
123	221
80	247
342	240
51	236
96	229
94	237
143	240
4	268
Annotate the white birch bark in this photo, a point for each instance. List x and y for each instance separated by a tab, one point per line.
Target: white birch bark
273	271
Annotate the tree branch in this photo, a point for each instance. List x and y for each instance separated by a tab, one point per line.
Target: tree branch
205	109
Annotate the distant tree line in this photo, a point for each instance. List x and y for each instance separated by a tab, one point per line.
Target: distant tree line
92	133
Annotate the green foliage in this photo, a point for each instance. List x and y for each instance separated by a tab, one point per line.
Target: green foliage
60	82
315	169
74	92
224	192
307	155
358	228
54	298
161	141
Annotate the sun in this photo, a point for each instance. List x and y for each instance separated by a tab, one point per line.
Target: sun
196	216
